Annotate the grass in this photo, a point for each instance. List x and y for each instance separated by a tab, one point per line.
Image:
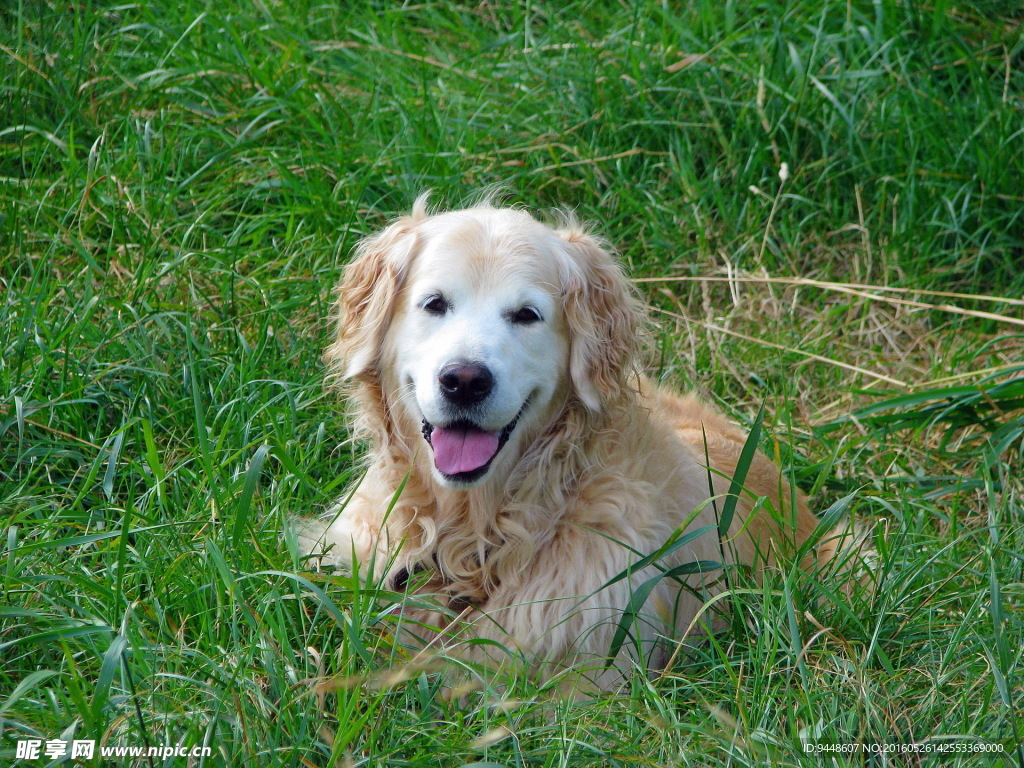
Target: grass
179	187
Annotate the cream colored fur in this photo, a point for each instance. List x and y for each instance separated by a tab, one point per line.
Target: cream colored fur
598	474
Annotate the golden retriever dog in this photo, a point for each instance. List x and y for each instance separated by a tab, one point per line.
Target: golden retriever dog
520	467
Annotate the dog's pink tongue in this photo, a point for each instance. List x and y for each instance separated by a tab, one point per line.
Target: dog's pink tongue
462	450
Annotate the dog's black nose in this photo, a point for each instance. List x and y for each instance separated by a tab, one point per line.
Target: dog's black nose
464	383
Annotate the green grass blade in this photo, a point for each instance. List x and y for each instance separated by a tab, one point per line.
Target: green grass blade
111	663
740	474
244	504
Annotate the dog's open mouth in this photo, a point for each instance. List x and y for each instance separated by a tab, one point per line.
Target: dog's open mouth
462	450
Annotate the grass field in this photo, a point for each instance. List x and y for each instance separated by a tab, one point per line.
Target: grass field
179	188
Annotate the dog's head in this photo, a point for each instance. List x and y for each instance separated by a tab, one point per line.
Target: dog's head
481	325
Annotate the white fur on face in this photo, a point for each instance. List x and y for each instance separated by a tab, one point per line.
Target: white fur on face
485	290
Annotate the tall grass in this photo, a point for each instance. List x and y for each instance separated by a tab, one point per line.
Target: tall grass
179	188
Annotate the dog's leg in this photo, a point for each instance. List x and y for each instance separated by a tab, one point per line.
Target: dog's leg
353	534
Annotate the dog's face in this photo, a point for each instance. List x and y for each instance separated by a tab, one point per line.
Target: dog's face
479	343
476	326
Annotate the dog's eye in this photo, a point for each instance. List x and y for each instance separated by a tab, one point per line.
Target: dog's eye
436	305
525	316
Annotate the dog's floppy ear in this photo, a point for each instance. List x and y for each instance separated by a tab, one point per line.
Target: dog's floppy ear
604	320
366	296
